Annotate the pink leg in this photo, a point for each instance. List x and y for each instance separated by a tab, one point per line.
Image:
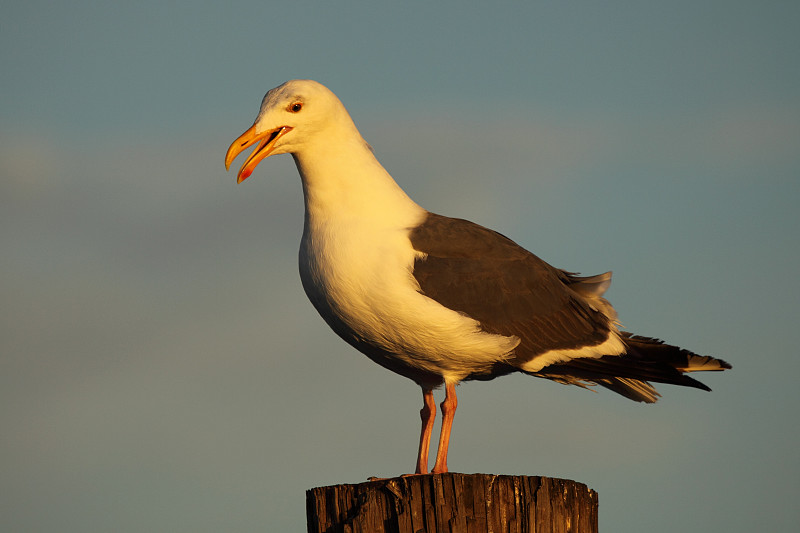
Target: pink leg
448	413
427	414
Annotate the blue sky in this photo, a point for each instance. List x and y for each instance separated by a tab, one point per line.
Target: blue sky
161	367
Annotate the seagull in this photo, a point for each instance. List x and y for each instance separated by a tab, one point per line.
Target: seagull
440	300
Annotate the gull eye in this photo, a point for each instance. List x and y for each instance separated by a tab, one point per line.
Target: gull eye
296	107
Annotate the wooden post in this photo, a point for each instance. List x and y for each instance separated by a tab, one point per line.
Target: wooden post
454	503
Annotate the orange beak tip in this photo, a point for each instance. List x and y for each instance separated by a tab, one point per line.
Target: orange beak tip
243	176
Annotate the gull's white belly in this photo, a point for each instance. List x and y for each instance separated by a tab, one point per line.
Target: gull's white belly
360	280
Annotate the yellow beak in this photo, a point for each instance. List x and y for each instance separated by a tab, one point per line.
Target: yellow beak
266	144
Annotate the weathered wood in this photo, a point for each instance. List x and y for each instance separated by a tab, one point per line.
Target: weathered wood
454	503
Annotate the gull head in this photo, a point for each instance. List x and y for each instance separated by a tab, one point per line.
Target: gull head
292	117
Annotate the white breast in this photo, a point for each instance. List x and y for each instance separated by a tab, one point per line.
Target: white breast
360	273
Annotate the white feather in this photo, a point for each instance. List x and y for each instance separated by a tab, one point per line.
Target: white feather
611	346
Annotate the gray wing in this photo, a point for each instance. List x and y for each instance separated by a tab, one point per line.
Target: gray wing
510	291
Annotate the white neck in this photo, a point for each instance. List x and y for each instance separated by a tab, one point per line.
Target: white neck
342	180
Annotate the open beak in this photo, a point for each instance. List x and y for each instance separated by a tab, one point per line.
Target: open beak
266	143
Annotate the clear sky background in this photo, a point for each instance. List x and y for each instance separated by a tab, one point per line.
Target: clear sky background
160	367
